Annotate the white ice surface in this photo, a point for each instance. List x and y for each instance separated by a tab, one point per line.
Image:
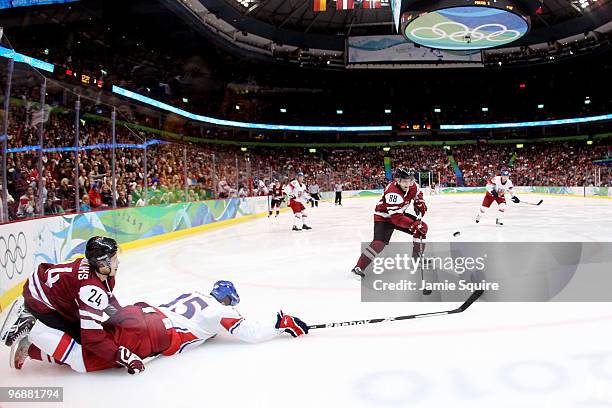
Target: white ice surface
494	354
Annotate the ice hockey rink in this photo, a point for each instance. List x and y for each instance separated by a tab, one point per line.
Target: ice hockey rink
494	354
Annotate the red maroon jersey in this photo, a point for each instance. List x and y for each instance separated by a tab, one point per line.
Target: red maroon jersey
395	201
77	294
276	191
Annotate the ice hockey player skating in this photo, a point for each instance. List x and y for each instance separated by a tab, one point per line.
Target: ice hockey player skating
276	198
497	188
390	215
177	326
296	190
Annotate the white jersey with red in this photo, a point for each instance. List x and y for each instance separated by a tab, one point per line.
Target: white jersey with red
193	318
74	292
395	202
297	191
495	183
262	190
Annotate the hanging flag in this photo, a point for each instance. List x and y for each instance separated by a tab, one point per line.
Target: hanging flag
372	4
320	5
345	4
40	116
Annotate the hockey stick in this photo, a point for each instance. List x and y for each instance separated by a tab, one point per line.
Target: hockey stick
527	202
426	292
473	297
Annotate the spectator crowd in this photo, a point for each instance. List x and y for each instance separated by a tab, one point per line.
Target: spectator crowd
175	172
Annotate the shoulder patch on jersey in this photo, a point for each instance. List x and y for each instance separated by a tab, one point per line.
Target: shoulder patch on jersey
94	297
394	198
230	323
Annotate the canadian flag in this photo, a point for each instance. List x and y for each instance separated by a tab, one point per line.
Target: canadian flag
371	4
345	4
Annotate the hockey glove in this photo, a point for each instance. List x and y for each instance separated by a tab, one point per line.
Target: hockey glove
289	324
129	360
515	199
420	208
494	193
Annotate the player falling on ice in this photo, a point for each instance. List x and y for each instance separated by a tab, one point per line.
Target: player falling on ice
497	188
296	190
185	323
59	319
276	198
390	215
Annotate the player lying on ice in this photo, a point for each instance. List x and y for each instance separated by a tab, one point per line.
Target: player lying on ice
391	213
132	333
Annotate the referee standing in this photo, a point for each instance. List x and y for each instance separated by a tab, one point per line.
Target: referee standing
338	190
313	190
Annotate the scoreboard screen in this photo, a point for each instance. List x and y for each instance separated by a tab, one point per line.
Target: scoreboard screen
5	4
462	25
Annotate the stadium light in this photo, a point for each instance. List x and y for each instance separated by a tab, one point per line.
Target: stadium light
437	110
519	146
387	111
541	106
283	110
237	107
312	150
243	149
553	122
339	111
485	109
589	142
185	100
386	149
248	125
587	101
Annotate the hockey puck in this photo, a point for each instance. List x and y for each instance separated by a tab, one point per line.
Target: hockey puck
456	234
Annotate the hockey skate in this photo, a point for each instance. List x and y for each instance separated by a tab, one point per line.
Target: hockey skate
295	228
357	273
19	351
306	227
18	321
498	222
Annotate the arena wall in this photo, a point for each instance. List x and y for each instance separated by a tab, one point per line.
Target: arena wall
566	191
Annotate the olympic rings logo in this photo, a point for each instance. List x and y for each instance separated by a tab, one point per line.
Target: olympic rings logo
463	33
13	252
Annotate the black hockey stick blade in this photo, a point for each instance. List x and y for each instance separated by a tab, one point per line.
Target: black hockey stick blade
538	203
473	297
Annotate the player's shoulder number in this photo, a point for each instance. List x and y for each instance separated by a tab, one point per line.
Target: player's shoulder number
393	198
94	296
